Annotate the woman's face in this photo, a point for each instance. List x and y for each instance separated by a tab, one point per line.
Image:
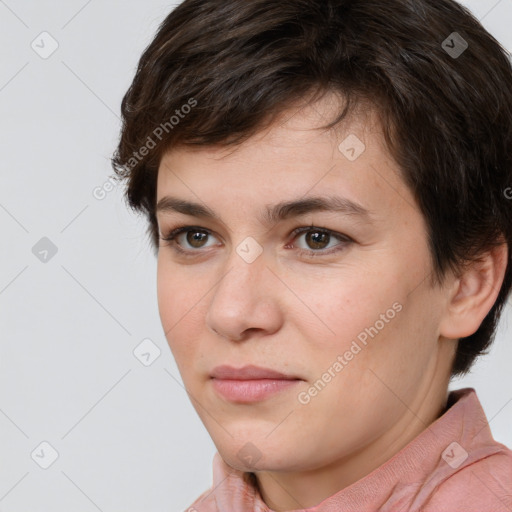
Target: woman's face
344	307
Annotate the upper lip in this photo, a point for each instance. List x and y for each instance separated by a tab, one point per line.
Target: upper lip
249	372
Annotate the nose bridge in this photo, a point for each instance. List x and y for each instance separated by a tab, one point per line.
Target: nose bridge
246	269
240	298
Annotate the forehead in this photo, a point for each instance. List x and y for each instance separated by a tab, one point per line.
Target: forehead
298	125
293	157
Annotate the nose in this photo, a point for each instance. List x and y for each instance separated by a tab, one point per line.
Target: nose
245	300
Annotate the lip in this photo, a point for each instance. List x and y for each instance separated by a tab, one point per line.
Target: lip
250	383
249	372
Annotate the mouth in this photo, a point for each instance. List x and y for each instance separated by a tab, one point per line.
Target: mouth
250	383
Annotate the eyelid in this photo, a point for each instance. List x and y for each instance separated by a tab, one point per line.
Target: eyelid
334	234
173	233
342	238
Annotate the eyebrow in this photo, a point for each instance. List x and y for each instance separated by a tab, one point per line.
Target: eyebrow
273	213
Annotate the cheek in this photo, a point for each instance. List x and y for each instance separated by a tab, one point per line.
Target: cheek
335	311
176	304
177	291
375	326
182	301
167	300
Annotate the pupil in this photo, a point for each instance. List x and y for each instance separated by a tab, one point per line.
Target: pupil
314	239
194	237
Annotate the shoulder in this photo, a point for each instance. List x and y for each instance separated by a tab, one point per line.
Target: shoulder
484	485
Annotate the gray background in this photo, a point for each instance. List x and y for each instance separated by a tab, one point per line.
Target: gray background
126	435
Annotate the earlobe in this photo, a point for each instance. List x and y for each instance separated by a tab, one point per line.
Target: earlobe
474	293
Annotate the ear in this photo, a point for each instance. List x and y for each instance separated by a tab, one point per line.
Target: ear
473	294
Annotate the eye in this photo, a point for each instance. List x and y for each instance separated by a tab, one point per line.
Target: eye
189	240
186	237
320	239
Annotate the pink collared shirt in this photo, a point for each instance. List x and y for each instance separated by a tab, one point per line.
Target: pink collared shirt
455	465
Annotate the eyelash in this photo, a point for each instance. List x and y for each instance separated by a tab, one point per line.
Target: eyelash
172	235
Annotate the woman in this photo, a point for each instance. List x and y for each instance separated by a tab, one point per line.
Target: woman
325	188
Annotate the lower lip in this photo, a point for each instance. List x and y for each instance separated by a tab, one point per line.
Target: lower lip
246	391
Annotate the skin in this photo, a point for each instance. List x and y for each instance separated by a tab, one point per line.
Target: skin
296	314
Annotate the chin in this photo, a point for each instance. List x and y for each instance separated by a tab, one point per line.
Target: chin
256	454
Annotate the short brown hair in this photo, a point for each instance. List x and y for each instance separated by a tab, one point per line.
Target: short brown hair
218	71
